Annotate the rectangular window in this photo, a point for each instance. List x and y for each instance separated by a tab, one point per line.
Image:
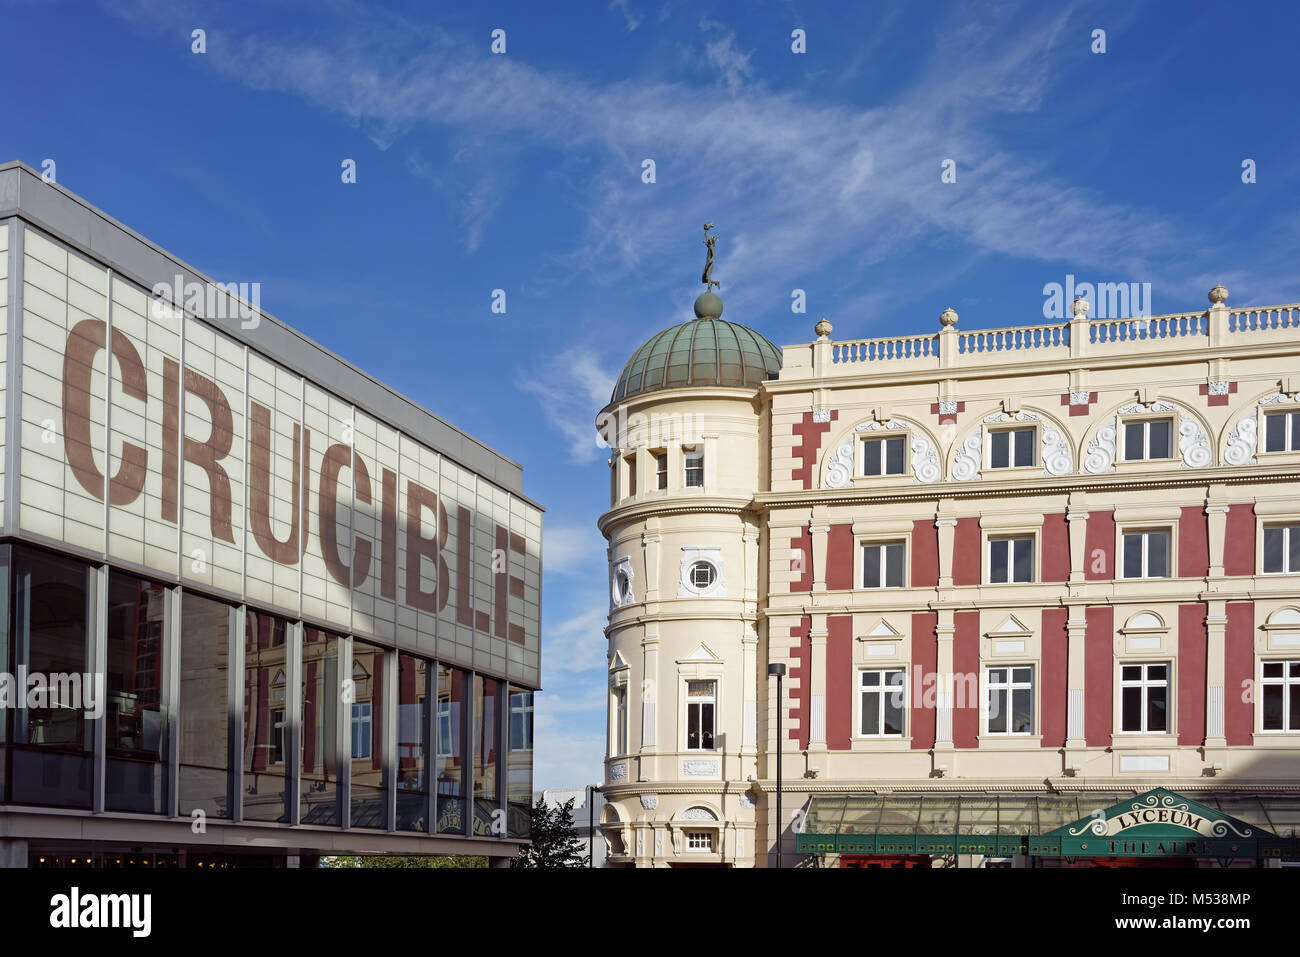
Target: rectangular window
277	736
133	715
487	692
881	695
1011	700
449	777
1144	697
1282	432
1146	554
1148	439
883	456
318	784
519	795
882	564
265	705
361	730
205	653
1011	560
699	841
412	803
694	467
630	462
701	699
1012	448
619	724
1281	548
1281	698
661	470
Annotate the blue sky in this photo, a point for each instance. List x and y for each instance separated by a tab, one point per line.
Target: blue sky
523	172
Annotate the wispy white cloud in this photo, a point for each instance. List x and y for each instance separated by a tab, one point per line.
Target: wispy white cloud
572	549
578	642
570	388
629	15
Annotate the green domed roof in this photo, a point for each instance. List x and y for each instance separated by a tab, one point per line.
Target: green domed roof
701	352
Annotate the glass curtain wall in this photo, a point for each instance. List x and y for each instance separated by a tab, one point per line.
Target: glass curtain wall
318	787
135	759
266	717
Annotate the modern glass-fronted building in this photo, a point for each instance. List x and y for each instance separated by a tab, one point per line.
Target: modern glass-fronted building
255	607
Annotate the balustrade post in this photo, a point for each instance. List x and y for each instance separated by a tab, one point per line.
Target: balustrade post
822	349
948	338
1217	325
1080	328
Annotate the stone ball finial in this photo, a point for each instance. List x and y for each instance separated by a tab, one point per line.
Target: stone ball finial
1080	307
708	305
823	328
1218	294
948	317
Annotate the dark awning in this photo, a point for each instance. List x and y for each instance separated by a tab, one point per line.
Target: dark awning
1004	824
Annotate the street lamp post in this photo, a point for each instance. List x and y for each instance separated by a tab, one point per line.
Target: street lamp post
591	824
778	669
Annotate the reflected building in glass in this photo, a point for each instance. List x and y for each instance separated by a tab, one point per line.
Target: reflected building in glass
255	607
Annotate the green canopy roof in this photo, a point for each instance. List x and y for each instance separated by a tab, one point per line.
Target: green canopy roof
701	352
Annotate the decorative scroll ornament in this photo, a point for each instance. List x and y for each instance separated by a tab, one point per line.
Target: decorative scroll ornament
649	801
618	772
821	415
1194	445
839	472
967	465
1081	398
698	814
1218	387
1242	440
947	406
1056	452
1021	416
699	768
746	802
1101	450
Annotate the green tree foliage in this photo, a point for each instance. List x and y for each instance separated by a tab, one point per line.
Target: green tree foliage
555	843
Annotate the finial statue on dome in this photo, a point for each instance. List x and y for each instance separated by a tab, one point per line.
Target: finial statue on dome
707	278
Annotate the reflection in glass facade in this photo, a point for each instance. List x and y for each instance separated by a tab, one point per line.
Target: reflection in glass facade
51	750
135	750
452	725
412	743
486	730
318	799
520	744
367	735
451	750
204	717
266	717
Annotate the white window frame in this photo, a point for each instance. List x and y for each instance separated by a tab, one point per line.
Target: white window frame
1145	531
699	841
1291	432
1146	683
1290	686
863	545
1011	448
688	454
1145	422
1010	685
362	717
618	721
1289	530
1010	539
700	700
900	437
661	469
880	692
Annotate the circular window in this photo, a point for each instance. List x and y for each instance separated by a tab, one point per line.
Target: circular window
703	575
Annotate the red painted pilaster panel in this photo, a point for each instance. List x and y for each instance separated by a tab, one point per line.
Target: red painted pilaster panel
1098	673
839	557
1056	657
966	686
1055	564
1099	548
1193	543
967	563
839	682
809	446
799	678
1239	673
1190	684
925	554
925	661
801	558
1239	540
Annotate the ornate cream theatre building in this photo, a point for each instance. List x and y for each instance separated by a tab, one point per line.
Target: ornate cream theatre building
1018	576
